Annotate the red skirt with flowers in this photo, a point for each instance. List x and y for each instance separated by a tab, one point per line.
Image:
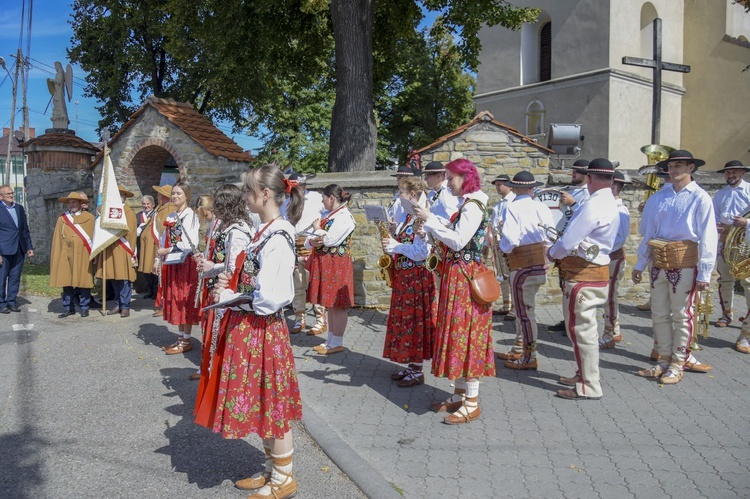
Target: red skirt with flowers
258	391
463	343
331	281
179	282
411	320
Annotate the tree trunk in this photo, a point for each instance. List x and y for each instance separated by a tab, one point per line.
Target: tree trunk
353	132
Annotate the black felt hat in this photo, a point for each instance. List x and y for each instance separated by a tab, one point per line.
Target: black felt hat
681	154
620	177
433	167
733	165
601	166
403	171
501	178
580	166
523	180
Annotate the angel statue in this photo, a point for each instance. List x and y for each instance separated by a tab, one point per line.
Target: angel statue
58	86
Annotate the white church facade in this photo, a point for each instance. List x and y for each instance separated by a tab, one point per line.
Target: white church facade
567	68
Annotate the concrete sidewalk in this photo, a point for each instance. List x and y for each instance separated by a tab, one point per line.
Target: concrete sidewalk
640	440
93	408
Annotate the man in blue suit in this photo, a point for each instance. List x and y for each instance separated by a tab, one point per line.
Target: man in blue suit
15	245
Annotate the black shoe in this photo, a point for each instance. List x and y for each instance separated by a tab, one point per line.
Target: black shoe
559	327
148	296
84	313
14	308
66	314
5	310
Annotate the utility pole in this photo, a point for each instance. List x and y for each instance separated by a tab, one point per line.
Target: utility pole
8	165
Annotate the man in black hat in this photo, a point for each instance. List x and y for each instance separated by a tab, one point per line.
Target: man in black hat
617	264
583	251
576	194
679	241
312	210
730	203
496	223
525	243
442	203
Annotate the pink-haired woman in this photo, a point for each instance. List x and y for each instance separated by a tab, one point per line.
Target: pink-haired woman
463	342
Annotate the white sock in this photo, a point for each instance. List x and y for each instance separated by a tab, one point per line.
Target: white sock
279	475
335	341
460	383
472	389
184	336
328	340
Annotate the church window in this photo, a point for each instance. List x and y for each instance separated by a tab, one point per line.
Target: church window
545	52
535	118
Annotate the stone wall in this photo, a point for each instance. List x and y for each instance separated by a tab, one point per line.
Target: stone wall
378	188
42	206
139	154
493	149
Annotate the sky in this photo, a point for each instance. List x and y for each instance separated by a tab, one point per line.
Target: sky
50	37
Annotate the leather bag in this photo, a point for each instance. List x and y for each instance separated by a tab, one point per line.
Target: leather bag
485	288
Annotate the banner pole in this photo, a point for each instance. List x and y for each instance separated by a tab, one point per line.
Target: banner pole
104	282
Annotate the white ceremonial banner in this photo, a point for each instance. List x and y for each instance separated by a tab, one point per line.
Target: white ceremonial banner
110	214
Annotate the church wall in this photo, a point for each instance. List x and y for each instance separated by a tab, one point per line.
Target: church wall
579	43
576	100
626	37
716	107
630	119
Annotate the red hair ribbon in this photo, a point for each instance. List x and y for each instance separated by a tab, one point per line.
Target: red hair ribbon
289	184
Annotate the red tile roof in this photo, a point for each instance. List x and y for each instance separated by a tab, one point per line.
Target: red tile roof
61	140
484	116
195	125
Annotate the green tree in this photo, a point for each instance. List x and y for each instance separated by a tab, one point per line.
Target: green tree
429	95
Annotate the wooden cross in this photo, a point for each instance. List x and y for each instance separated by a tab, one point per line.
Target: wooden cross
658	65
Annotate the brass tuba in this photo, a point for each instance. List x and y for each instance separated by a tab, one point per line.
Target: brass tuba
385	262
737	252
654	153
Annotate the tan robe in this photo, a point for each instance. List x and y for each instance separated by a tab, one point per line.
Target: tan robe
119	264
69	259
147	248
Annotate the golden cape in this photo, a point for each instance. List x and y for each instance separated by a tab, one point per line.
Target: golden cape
69	258
118	261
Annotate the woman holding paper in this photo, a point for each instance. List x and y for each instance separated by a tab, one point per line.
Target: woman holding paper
463	343
411	320
331	281
179	276
258	388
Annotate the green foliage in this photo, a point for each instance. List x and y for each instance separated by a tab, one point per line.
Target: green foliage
267	66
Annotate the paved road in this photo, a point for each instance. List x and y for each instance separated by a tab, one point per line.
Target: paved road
92	408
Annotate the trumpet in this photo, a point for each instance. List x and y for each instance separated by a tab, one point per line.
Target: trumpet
701	318
590	252
385	262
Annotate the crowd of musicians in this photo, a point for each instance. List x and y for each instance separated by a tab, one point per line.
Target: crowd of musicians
236	260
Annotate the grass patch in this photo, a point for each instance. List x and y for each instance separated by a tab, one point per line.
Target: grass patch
35	280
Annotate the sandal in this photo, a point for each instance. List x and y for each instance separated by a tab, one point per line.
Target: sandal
606	343
173	345
572	381
573	395
399	375
181	347
462	415
652	372
671	377
723	322
448	405
414	378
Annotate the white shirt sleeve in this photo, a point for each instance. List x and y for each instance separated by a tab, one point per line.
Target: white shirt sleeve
342	226
190	227
466	227
417	251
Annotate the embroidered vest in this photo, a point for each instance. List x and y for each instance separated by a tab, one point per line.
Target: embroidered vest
473	250
340	250
407	235
250	264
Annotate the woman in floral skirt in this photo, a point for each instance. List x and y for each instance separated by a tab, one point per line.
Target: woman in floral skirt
411	320
331	281
463	343
179	280
228	235
258	389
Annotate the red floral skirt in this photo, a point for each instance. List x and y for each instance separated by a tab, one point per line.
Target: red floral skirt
179	282
331	281
258	391
463	343
411	319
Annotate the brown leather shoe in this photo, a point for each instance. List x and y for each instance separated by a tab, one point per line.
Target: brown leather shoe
697	367
606	344
285	491
509	355
445	406
573	395
318	329
617	338
742	348
114	311
572	381
521	365
299	326
253	482
671	377
195	377
324	350
654	355
125	312
158	313
181	347
413	379
167	347
459	417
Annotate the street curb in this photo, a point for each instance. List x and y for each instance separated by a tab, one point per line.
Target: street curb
364	476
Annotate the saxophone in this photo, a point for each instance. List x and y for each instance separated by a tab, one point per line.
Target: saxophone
385	262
